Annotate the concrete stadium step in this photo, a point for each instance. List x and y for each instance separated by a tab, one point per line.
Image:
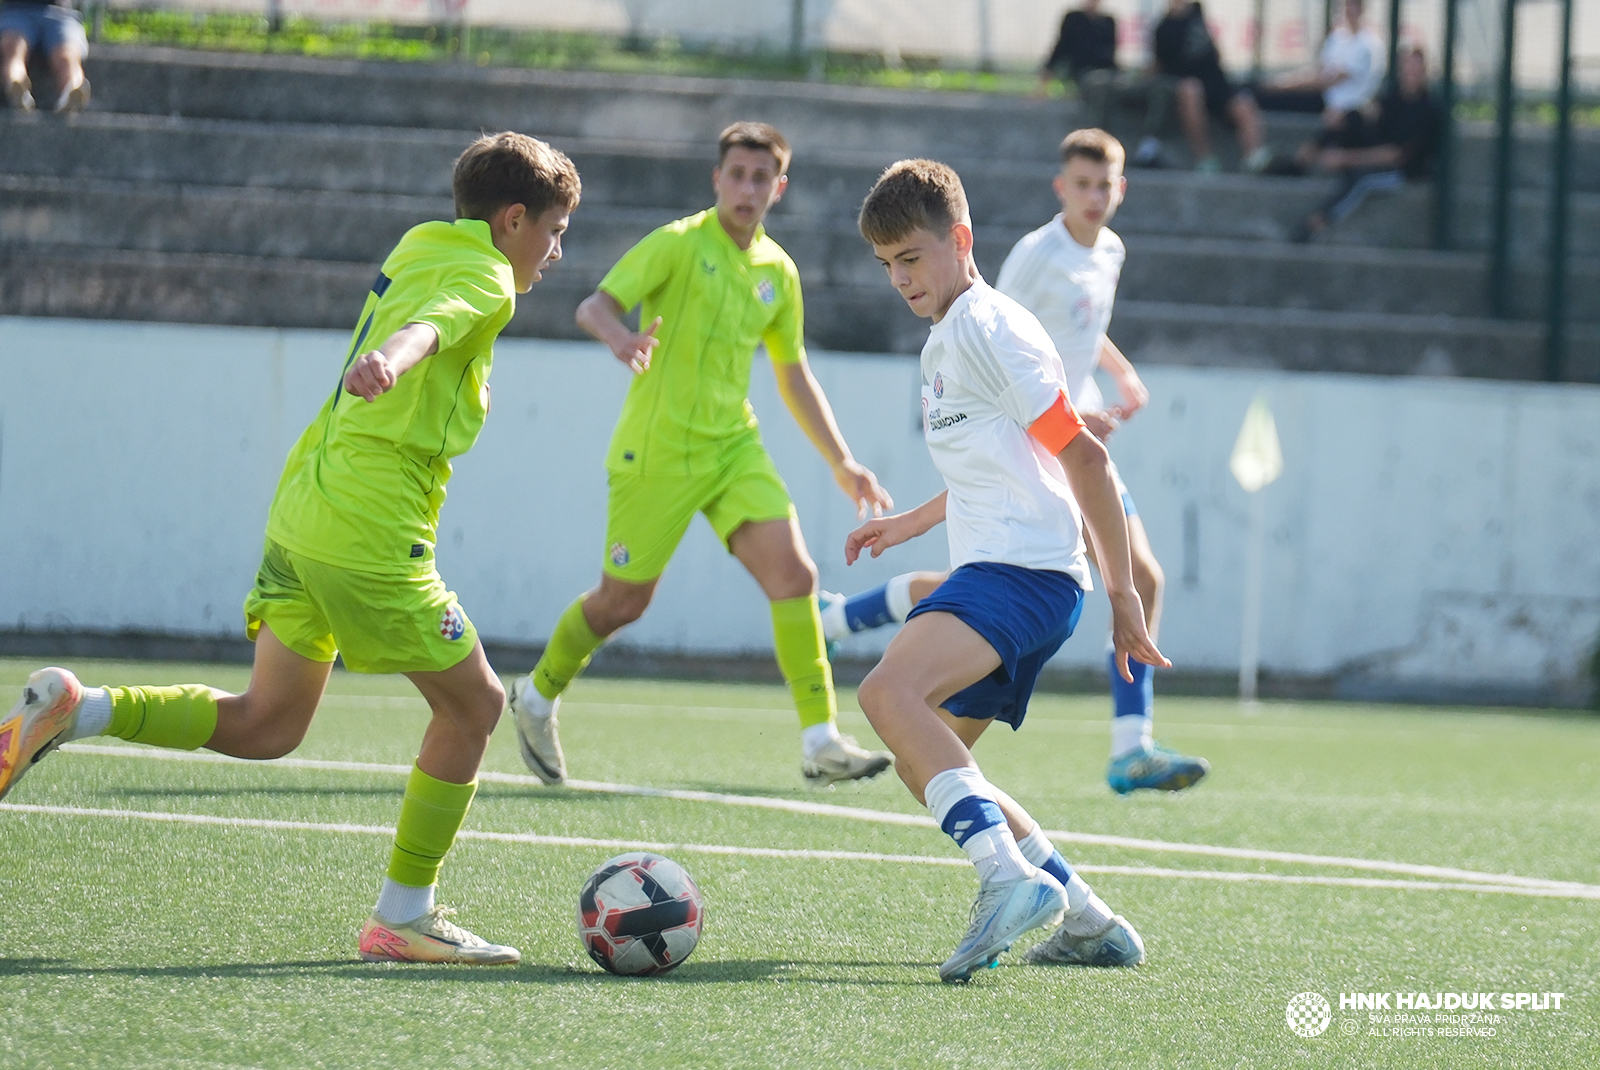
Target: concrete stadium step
261	291
888	123
416	163
362	228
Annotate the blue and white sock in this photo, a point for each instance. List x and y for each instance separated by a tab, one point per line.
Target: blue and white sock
1132	707
400	903
888	603
963	804
1038	850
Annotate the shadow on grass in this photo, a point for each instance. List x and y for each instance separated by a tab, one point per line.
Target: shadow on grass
785	971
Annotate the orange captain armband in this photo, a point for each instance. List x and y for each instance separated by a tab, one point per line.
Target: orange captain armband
1058	426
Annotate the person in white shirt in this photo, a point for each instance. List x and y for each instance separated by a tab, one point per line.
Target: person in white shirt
1066	274
1342	85
1022	483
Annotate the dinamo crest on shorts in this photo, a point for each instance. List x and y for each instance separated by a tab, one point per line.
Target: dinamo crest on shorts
453	623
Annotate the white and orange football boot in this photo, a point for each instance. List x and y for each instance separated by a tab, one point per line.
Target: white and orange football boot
431	938
40	722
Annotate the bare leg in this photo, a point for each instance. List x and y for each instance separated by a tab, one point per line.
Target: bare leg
271	717
14	58
1190	100
925	583
1246	116
67	68
616	603
774	552
466	700
934	656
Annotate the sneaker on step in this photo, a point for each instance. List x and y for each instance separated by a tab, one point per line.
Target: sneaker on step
843	759
19	95
73	100
537	737
430	938
40	722
1157	768
1003	911
1148	154
1115	945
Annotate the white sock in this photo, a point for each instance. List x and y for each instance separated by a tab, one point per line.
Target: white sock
835	625
898	596
817	736
94	716
1130	734
994	855
400	903
1087	913
1036	846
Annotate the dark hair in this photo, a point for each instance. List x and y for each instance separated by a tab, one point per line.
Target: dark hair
749	135
1093	144
912	195
509	168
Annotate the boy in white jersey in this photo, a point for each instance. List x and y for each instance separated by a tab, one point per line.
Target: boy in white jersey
1066	274
1021	479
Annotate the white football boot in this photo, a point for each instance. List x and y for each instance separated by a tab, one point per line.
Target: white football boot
842	758
535	717
40	722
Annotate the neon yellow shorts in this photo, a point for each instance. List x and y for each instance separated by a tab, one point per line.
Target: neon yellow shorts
379	623
646	516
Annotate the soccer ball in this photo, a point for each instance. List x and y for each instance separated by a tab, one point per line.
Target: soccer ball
639	914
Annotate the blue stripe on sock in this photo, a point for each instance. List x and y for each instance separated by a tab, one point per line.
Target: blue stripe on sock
868	610
969	815
1137	699
1057	867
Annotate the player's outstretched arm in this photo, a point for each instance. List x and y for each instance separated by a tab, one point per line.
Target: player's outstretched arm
375	372
600	315
1135	395
880	533
803	395
1088	470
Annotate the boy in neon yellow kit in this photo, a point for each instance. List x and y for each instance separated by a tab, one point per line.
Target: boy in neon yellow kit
712	286
348	565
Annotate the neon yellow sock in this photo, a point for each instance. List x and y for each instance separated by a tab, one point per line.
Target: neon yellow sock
430	817
569	650
803	658
181	717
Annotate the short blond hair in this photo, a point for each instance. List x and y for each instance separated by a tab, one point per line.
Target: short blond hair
751	135
912	195
510	168
1093	144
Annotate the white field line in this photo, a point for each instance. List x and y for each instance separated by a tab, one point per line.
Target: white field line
533	839
799	806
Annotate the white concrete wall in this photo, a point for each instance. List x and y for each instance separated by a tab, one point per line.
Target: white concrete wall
1424	529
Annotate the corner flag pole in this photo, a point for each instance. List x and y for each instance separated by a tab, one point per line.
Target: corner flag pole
1256	461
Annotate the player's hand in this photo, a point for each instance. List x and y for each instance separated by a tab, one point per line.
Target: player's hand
857	481
370	376
877	535
635	350
1129	637
1135	395
1100	424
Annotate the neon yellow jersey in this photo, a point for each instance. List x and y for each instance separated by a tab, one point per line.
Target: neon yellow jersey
717	302
363	486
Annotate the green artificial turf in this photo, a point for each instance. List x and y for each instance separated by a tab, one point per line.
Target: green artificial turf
134	943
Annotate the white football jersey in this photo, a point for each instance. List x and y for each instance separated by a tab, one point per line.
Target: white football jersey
1071	288
988	372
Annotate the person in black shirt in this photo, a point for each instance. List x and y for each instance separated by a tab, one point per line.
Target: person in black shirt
1399	147
1183	49
51	27
1086	53
1087	42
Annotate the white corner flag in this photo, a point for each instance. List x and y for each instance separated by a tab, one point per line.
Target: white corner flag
1256	459
1256	462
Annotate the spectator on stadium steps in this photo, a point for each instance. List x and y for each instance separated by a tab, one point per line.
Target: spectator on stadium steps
1085	52
51	27
1400	147
1183	49
1345	79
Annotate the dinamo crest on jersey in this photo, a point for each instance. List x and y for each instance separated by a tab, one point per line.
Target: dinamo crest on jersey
766	291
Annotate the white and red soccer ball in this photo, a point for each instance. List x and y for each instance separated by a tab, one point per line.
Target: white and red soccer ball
639	914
